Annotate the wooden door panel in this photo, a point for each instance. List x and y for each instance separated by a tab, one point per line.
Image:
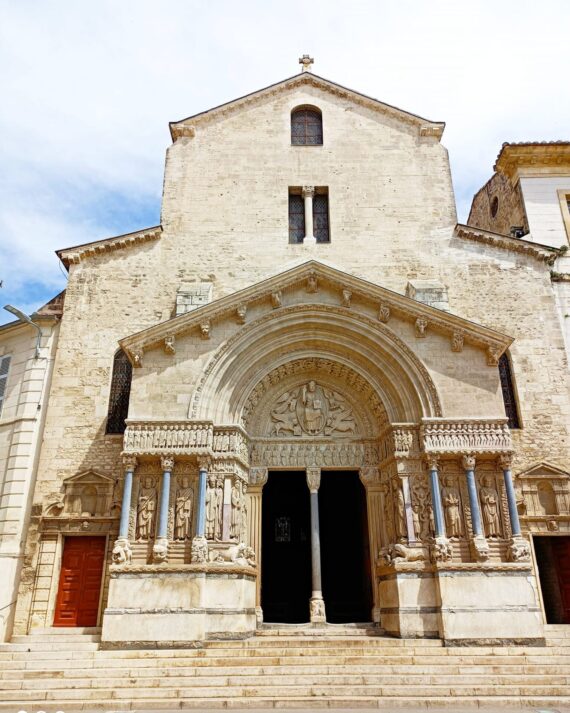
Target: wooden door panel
80	581
561	550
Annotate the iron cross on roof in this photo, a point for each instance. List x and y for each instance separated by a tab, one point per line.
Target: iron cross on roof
306	61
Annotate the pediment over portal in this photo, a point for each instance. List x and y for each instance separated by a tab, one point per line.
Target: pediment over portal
544	471
313	283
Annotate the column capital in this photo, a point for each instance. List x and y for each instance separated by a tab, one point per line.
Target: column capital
369	475
432	461
468	461
129	461
258	476
167	463
308	191
204	463
313	479
505	461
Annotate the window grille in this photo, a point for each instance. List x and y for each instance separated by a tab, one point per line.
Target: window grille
306	127
4	367
509	396
321	217
296	218
120	392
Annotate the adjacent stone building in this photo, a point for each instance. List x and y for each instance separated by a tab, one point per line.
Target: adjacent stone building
340	405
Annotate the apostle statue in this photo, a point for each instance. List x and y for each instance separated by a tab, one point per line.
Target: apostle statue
243	523
211	507
146	509
401	529
452	508
219	509
236	500
183	512
490	508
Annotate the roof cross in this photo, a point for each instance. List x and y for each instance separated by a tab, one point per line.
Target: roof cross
306	61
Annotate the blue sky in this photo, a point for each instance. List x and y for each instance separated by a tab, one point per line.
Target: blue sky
89	88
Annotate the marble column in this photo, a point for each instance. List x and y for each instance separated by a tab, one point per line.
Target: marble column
308	193
441	550
317	604
160	549
479	546
122	552
199	543
518	549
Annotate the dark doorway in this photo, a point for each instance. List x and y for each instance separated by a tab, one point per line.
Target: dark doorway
286	549
345	551
553	559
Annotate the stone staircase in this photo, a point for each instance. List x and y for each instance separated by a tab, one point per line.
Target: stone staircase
337	667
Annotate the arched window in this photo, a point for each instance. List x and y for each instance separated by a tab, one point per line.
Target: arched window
306	126
120	392
509	396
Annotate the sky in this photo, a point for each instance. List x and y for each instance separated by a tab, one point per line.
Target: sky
88	89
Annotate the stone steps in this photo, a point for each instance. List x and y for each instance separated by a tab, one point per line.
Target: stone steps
68	671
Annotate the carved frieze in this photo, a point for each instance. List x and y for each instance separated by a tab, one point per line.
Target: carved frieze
462	437
276	454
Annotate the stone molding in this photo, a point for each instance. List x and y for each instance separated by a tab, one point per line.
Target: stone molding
537	153
74	255
272	291
466	436
198	568
539	252
187	127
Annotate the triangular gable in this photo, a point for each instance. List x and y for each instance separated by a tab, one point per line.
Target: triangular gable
76	254
88	476
386	303
544	470
185	127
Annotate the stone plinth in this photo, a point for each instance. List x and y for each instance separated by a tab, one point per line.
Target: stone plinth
177	605
408	601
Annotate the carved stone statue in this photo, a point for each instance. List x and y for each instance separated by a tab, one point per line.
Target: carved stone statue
211	507
452	508
490	508
401	529
313	414
243	522
146	509
183	513
235	522
219	509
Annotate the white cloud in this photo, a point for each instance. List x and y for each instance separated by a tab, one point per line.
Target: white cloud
88	89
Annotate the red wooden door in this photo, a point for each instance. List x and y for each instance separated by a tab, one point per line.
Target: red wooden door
80	581
561	550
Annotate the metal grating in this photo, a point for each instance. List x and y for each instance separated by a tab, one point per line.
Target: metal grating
508	390
120	393
306	128
296	218
321	217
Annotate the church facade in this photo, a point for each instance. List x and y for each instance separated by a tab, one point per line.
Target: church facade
307	397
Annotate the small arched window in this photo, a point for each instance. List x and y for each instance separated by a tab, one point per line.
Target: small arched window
120	392
509	395
306	126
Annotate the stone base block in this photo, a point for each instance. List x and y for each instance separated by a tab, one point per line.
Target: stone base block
408	602
489	604
162	605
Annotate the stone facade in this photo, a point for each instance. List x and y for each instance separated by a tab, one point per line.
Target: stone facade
28	366
308	357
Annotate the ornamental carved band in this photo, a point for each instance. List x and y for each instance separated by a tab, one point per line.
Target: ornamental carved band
458	437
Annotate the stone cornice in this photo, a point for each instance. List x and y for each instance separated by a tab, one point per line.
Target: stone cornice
187	127
475	436
532	155
542	253
396	304
74	255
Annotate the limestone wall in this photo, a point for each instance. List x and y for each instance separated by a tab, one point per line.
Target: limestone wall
499	194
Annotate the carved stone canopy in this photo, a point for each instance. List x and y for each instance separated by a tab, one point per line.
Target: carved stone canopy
310	398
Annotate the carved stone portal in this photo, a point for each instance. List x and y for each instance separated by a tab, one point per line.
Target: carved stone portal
312	410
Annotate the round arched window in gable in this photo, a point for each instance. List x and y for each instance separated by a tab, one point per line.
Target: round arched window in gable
306	126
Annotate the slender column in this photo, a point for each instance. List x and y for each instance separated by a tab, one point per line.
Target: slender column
441	549
479	546
160	549
317	605
308	193
505	463
122	552
438	518
469	466
199	543
257	479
